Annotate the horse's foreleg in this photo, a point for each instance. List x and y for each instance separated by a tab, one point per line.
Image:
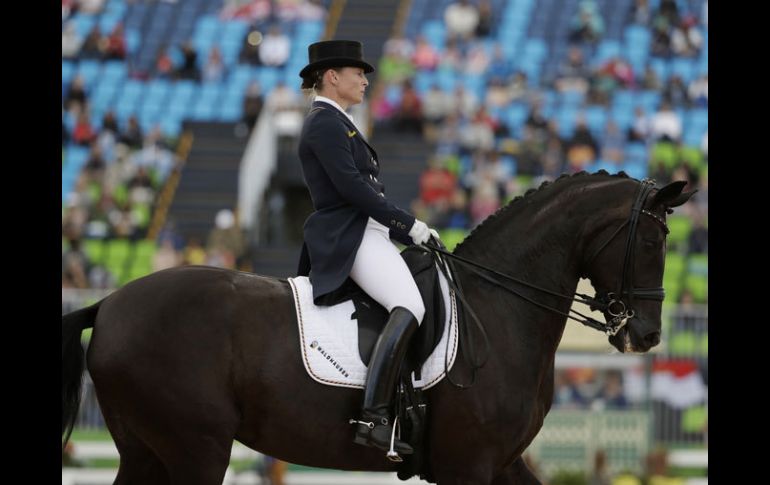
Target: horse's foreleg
517	474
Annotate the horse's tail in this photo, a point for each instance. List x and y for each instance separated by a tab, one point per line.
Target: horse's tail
72	364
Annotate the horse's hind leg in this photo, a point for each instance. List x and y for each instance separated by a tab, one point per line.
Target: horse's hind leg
203	460
138	463
517	474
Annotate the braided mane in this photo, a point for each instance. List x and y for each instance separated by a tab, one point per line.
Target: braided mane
502	211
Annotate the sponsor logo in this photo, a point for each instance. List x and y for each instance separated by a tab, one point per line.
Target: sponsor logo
314	345
351	134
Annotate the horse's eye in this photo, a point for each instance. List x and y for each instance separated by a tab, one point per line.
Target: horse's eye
650	244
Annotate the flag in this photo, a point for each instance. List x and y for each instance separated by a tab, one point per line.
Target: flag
678	383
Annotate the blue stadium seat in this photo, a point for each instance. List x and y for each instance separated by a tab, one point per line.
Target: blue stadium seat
660	67
84	23
596	119
607	49
685	68
67	72
89	70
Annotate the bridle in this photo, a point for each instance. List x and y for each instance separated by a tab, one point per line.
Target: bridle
610	302
604	301
613	302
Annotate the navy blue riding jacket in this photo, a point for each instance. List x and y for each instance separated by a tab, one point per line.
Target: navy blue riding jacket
340	169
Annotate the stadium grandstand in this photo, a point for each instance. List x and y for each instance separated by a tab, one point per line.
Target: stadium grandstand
180	121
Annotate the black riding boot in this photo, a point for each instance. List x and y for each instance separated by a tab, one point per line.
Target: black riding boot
375	426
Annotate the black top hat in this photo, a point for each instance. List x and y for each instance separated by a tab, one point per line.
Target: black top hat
335	53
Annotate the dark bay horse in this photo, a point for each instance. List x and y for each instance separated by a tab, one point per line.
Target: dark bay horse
188	359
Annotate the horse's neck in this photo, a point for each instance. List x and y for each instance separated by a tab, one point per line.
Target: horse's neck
531	242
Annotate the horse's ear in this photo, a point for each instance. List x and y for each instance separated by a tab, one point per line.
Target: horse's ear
671	195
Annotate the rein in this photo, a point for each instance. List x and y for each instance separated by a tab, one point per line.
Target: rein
609	302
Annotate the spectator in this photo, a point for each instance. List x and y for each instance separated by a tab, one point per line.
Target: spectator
436	105
91	6
587	26
661	38
408	116
613	143
668	11
498	95
650	81
698	92
275	48
68	8
536	120
640	13
554	156
70	41
214	70
250	10
193	253
611	395
75	101
83	134
93	46
395	68
640	126
500	65
484	26
457	217
676	92
451	58
565	393
250	49
530	152
252	104
226	239
164	64
115	44
166	256
399	46
461	19
381	108
425	56
518	87
437	187
476	60
665	124
573	74
600	475
189	68
311	10
154	155
698	240
132	136
686	39
582	148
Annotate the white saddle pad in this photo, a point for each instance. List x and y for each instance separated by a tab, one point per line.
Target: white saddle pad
328	338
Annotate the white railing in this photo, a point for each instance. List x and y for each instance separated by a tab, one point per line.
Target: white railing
258	162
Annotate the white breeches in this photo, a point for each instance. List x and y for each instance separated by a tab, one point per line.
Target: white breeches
381	272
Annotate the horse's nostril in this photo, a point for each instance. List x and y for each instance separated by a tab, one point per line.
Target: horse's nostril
652	339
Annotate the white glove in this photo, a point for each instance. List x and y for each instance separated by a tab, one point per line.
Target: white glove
420	232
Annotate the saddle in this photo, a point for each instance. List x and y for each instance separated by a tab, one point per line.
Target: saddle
372	316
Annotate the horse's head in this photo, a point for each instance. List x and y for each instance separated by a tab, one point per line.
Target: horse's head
625	264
